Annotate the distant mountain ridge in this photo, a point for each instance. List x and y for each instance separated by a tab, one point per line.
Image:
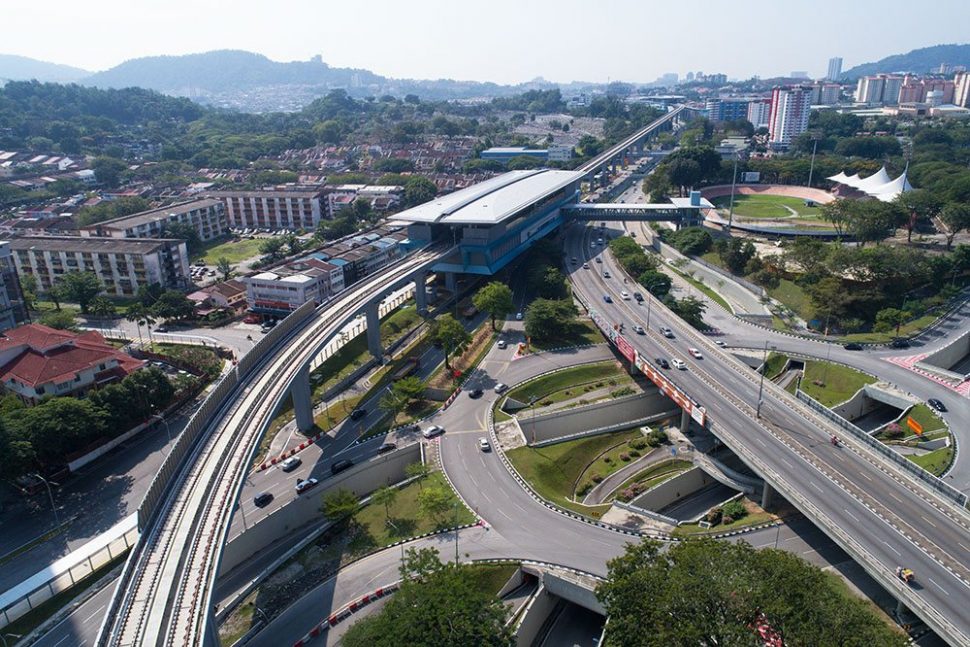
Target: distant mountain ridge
920	61
22	68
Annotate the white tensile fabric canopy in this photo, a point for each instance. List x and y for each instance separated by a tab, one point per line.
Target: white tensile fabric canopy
878	178
878	185
892	190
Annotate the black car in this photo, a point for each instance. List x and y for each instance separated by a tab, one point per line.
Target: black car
262	499
357	414
899	343
386	447
341	465
662	363
638	296
475	394
936	404
852	346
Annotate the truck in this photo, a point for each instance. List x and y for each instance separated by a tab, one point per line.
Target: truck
407	369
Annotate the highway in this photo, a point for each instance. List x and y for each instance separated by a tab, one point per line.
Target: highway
166	589
836	487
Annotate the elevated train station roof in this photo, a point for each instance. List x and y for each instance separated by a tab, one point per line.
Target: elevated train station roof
492	201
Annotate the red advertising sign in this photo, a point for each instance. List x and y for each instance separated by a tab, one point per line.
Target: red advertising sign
625	348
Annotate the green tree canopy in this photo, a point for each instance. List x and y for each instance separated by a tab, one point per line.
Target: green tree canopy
453	337
495	298
80	287
550	318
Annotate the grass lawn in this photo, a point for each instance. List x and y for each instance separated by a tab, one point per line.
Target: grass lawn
490	578
583	332
792	295
610	461
907	329
235	249
926	417
934	462
750	519
553	470
839	382
766	206
714	296
776	361
592	375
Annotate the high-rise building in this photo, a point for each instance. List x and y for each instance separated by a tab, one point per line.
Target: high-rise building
759	111
825	94
790	108
835	68
726	109
961	89
12	310
273	209
915	90
879	89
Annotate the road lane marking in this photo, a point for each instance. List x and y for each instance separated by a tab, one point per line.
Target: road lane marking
890	547
99	610
962	546
788	463
850	514
928	521
938	586
814	485
61	640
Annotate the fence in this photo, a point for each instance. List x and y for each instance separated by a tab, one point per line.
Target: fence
901	461
67	571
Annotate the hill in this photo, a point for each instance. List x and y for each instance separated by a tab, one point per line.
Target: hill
22	68
919	61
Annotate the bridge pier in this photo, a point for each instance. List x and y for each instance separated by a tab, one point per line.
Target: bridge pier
684	421
420	291
374	330
451	282
302	399
767	496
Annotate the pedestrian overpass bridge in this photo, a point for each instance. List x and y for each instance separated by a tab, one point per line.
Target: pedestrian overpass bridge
684	212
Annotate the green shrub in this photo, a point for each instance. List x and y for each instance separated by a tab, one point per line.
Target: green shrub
734	509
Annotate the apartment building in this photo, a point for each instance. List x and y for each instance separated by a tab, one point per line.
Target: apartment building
790	108
284	289
12	310
272	209
121	264
207	216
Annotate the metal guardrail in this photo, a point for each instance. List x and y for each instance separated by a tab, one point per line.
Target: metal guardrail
941	488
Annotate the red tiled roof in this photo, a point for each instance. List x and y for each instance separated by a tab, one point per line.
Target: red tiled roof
51	355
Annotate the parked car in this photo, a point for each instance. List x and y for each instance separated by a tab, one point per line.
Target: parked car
304	485
341	465
936	404
852	346
638	329
262	499
432	431
386	447
483	445
679	364
696	353
357	414
518	316
291	463
501	388
501	343
666	332
474	394
662	363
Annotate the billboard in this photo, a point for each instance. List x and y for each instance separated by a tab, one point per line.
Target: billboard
751	177
625	348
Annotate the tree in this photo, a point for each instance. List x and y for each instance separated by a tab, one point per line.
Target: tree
102	307
272	248
60	319
435	502
138	314
183	231
550	318
108	170
385	496
873	221
839	213
61	426
684	173
172	304
436	604
224	267
889	318
735	253
956	217
656	282
401	393
417	471
28	287
80	287
920	205
495	299
341	504
418	190
690	309
453	337
718	591
692	241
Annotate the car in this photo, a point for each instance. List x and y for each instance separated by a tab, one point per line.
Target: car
607	298
341	465
936	404
161	329
598	259
696	353
603	225
720	343
638	297
899	343
291	463
432	431
357	414
852	346
483	445
304	485
501	343
679	364
606	274
518	316
666	332
638	329
474	394
599	241
592	243
386	447
662	363
625	295
501	388
585	266
262	499
573	260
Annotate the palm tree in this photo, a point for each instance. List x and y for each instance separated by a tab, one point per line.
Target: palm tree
101	308
134	314
148	320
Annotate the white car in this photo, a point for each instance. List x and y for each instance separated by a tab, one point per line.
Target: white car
696	353
638	329
483	445
720	343
585	266
518	316
501	343
679	363
432	431
625	295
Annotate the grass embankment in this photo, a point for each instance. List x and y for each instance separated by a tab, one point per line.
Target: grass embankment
236	250
767	206
569	382
831	384
794	297
656	474
926	418
490	578
934	462
582	333
703	288
554	470
776	362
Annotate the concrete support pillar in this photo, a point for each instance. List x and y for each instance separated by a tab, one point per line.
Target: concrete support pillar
901	610
420	294
684	421
302	400
374	331
767	496
451	282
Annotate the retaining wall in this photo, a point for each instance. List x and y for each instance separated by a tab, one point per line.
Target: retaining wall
674	489
534	617
568	422
941	360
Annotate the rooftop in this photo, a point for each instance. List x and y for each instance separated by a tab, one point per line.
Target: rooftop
154	215
492	201
93	244
270	193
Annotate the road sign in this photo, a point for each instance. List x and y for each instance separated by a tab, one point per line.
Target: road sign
915	426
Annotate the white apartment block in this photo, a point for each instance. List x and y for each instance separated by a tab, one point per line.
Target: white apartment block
121	264
790	108
274	210
207	216
759	111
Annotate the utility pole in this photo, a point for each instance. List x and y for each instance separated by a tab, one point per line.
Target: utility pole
734	179
811	169
456	532
51	495
761	383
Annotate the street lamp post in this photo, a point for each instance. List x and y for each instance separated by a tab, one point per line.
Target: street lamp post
168	431
51	495
456	532
761	382
649	287
734	179
532	406
811	168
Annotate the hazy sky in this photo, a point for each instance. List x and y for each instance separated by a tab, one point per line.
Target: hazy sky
492	40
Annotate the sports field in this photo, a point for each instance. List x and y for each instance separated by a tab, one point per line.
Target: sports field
769	207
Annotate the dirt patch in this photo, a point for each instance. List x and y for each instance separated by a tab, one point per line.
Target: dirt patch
509	435
480	338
